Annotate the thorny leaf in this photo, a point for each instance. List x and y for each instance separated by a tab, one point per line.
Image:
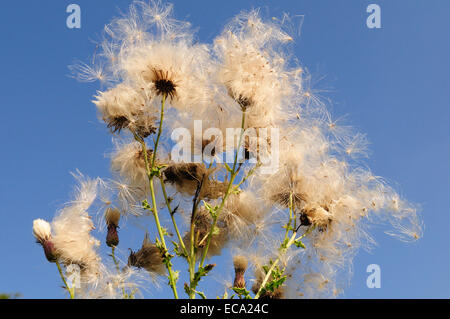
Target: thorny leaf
167	257
156	171
189	290
212	210
278	278
177	250
299	244
202	271
176	276
146	205
164	231
201	294
242	292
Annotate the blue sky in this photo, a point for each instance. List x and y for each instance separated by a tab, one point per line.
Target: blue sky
391	83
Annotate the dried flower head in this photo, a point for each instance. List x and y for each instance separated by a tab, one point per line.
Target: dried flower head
148	257
252	68
72	232
240	266
42	232
125	107
186	177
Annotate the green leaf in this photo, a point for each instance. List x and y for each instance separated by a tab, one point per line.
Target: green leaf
202	271
187	289
242	292
201	294
146	205
177	250
212	210
266	269
299	244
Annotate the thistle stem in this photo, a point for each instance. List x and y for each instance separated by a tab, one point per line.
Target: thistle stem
192	256
288	225
70	290
282	252
233	175
274	264
150	173
166	198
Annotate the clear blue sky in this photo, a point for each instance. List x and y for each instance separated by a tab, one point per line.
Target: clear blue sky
393	83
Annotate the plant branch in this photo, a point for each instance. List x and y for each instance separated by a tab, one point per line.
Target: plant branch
70	290
151	173
233	175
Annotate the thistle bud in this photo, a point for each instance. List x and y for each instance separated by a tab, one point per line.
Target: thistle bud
240	266
112	217
42	232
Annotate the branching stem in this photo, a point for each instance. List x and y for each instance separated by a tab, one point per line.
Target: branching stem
150	168
234	172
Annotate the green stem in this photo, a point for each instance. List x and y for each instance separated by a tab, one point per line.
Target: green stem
250	173
192	256
150	173
166	198
288	226
70	290
233	175
163	102
269	273
282	252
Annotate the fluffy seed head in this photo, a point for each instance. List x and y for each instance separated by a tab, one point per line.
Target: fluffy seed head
240	263
41	230
112	217
72	231
148	257
128	162
121	106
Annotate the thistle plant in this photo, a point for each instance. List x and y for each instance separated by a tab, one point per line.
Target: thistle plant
290	203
